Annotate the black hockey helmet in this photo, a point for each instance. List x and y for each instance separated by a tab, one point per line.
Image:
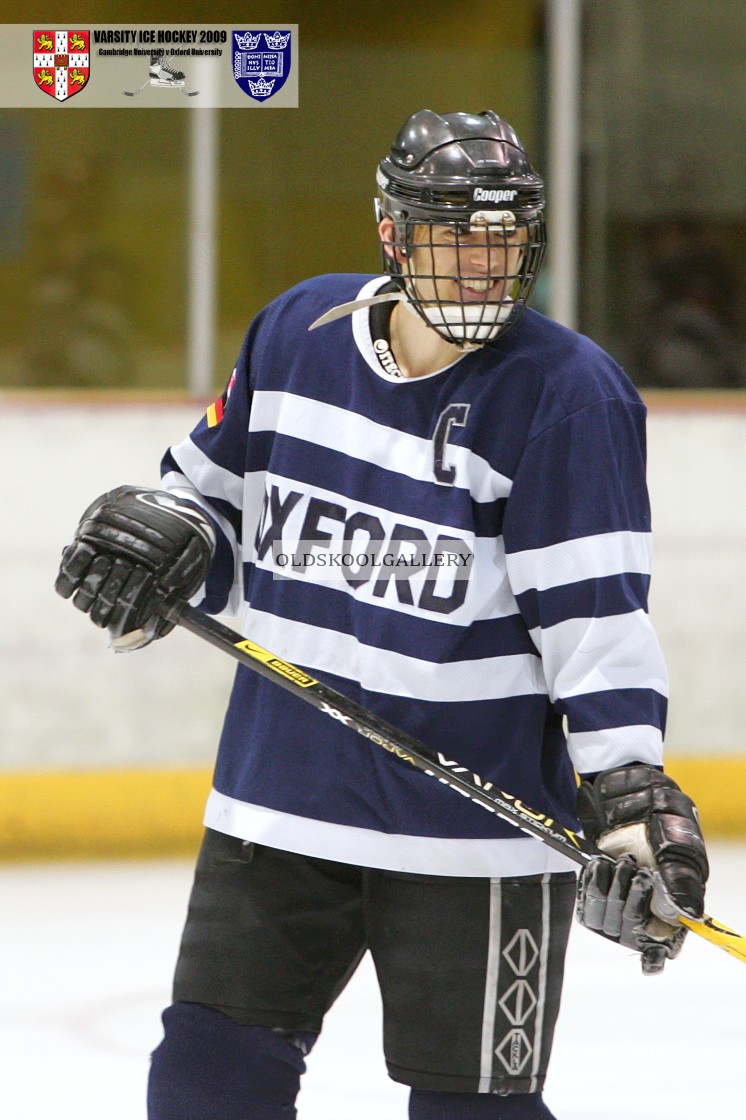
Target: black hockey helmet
469	171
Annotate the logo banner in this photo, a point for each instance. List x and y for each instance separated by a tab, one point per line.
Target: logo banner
148	66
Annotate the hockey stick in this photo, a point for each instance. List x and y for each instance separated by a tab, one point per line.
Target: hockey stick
339	707
194	93
142	87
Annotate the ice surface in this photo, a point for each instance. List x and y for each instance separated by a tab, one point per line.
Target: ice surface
87	951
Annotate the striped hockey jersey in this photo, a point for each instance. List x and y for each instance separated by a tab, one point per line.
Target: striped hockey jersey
466	554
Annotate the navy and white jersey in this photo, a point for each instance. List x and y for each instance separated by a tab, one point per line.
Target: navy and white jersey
493	601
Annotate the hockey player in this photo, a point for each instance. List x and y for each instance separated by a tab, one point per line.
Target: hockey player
402	421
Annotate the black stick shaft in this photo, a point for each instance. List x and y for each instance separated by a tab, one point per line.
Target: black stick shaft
338	706
378	731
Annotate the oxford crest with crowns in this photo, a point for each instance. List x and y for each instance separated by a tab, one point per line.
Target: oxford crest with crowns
261	62
62	62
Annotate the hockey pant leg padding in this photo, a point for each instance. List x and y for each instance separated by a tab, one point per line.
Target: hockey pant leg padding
209	1067
427	1105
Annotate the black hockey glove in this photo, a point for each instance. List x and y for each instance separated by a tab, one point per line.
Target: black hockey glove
644	824
132	549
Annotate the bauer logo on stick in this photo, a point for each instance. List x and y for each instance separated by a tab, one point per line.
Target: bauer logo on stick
261	62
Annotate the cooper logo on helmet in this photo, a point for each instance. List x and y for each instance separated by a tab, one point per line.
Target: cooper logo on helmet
483	195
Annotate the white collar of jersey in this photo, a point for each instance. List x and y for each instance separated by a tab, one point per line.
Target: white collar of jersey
374	350
355	305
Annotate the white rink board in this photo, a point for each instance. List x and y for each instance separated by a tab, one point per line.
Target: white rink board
68	702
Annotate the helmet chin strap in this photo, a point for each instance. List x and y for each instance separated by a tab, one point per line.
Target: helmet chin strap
465	323
478	322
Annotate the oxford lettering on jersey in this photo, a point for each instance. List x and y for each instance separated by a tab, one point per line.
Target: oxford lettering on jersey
325	541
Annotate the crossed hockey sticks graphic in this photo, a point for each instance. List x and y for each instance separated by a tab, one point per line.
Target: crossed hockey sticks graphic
383	734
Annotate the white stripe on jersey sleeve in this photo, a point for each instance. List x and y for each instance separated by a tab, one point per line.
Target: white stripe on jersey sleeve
591	751
606	554
352	434
208	480
583	655
382	670
207	477
176	483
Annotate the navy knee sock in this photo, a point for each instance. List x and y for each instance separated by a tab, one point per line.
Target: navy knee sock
426	1105
209	1067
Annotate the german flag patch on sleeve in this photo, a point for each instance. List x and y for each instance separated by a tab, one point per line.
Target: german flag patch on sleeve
216	411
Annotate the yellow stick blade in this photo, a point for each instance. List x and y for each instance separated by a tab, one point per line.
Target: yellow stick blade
726	938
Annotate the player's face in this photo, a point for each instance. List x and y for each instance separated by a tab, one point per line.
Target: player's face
465	264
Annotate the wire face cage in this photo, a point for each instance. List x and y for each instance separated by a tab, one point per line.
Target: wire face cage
469	279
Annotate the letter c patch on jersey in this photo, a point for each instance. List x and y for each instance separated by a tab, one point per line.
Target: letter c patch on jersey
456	414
